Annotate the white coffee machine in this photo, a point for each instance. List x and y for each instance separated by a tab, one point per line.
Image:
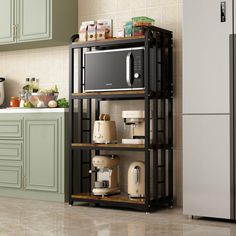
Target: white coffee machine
107	175
136	121
2	93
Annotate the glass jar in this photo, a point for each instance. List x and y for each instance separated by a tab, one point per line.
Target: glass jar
14	102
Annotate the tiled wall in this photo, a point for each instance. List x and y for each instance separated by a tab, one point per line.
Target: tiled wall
50	65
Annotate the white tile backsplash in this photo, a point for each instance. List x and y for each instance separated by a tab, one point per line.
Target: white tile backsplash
51	65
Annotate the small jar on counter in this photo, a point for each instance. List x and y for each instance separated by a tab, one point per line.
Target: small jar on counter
14	102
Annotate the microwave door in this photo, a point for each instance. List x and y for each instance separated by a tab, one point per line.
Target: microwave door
105	71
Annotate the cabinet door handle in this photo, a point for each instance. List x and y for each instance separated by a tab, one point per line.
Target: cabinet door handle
223	11
14	31
24	182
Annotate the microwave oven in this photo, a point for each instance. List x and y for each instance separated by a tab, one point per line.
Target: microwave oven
114	69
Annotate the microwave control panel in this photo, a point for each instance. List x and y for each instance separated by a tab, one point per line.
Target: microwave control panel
138	64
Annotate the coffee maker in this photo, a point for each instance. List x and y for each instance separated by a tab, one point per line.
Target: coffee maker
2	93
106	175
136	121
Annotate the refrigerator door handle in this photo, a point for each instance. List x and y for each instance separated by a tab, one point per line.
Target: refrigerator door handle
223	11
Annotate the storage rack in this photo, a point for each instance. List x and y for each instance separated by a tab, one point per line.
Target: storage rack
158	99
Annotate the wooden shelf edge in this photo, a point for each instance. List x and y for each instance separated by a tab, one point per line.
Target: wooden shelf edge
108	40
116	145
121	198
138	92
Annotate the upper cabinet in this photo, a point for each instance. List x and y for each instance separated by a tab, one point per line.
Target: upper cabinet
37	23
34	20
7	22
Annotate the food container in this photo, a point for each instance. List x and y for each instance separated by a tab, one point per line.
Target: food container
83	31
142	21
42	99
139	30
92	32
128	29
108	24
120	33
101	31
14	102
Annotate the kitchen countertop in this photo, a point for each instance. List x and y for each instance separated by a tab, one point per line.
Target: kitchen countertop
32	110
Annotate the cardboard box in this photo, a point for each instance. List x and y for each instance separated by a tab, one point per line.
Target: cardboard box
83	31
92	32
83	36
108	23
101	31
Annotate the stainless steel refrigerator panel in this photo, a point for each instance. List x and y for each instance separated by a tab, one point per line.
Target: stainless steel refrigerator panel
206	166
206	55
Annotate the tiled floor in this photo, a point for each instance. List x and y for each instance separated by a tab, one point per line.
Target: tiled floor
34	218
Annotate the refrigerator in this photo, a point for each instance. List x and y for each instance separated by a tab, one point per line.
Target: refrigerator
208	108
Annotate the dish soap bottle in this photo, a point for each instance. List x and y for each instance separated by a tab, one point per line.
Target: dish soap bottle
34	85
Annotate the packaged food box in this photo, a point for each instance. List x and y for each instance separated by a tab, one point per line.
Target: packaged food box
83	36
128	29
108	23
92	32
139	30
142	21
101	31
120	33
83	31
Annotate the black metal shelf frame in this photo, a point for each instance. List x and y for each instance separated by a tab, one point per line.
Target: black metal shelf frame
157	95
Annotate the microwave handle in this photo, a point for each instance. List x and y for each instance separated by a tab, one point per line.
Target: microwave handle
129	69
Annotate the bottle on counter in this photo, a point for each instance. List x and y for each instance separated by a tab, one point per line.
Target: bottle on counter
34	85
26	87
22	98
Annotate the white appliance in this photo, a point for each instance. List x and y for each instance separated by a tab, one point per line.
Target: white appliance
208	108
2	92
107	175
136	121
136	179
104	130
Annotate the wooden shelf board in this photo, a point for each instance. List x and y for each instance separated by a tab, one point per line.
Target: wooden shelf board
108	40
141	92
122	198
116	145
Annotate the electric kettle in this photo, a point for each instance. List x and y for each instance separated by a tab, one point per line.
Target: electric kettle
136	179
2	94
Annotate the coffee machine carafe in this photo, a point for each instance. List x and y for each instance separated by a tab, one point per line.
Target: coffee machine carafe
2	93
107	175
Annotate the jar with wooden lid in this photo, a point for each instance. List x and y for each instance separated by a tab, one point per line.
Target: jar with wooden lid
14	102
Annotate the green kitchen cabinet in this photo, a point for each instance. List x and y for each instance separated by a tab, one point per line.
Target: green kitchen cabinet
37	23
34	20
7	22
32	154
